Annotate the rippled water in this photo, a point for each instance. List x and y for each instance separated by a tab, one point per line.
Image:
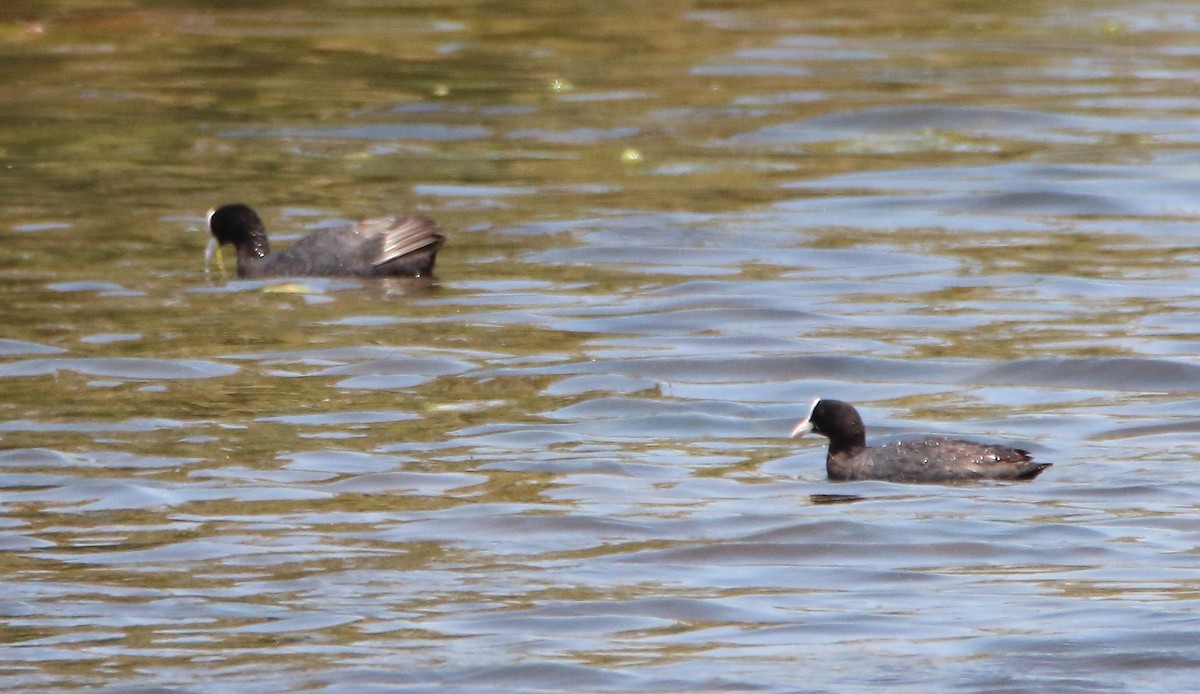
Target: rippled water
563	466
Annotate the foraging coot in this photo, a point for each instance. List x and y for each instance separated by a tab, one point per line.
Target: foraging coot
931	459
382	247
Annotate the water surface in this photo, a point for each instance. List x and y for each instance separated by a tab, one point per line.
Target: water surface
563	466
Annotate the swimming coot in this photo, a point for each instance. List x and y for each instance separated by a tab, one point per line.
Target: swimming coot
931	459
382	247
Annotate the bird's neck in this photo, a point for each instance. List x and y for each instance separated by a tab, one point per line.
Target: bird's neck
847	448
254	248
841	461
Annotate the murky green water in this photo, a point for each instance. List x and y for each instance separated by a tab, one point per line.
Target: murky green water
564	465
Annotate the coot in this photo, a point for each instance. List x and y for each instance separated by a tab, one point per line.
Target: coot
931	459
386	246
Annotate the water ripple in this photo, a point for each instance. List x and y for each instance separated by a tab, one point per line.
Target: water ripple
115	367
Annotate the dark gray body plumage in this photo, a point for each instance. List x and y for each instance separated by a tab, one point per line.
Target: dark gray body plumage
933	459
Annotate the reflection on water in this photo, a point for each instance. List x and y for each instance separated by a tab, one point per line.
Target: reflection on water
563	466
